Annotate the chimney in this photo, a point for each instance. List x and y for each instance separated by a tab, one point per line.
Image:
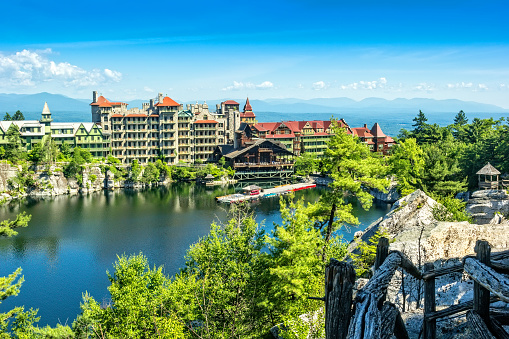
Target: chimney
160	98
365	125
151	103
94	96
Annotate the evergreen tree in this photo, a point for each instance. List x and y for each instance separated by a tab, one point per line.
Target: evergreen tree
460	119
7	117
407	163
13	148
355	170
18	116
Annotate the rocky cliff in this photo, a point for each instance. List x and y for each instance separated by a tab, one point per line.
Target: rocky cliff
487	206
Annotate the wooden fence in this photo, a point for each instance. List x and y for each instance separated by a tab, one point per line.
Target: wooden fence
374	317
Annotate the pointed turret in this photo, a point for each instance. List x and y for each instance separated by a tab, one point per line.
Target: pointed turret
46	118
247	106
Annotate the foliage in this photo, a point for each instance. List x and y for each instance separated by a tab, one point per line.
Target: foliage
366	258
137	308
18	115
306	164
226	266
450	209
14	148
407	163
135	171
7	117
354	170
23	180
163	168
92	178
150	174
112	160
7	226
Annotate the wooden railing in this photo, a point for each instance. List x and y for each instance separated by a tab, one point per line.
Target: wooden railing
374	317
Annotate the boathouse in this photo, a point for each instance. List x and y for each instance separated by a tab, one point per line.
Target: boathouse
256	159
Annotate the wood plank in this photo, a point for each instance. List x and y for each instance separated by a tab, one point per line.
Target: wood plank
409	266
453	309
495	282
339	282
388	321
478	327
481	293
382	251
501	316
430	325
497	329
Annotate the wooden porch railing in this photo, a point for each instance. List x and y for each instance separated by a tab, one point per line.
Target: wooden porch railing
374	317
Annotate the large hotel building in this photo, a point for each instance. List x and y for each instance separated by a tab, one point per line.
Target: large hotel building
165	129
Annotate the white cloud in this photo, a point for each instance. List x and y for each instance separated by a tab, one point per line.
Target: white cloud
248	85
460	85
423	86
30	68
319	85
148	89
482	87
369	85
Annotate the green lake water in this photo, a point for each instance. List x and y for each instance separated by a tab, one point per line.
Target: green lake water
71	241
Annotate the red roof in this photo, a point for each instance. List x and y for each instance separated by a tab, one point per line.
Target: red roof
377	131
247	115
362	132
247	106
280	136
117	116
136	115
154	115
230	102
205	122
103	102
321	133
168	102
388	139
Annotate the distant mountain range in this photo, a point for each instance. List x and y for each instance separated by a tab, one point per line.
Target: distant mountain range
57	102
391	114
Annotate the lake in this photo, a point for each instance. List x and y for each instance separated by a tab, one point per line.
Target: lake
71	241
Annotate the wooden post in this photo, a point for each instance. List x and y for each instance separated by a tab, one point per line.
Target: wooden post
339	281
382	251
430	326
481	294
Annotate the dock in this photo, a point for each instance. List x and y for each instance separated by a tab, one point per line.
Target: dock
266	193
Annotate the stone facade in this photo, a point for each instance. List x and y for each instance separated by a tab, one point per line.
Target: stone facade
165	129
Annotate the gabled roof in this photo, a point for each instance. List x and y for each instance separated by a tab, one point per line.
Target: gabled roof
117	116
488	169
362	132
168	102
230	102
259	143
377	131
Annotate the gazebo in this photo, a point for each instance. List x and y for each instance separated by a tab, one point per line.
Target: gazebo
488	172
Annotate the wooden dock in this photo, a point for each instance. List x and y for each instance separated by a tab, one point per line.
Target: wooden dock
267	193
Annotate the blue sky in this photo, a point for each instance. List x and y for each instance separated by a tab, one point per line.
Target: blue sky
196	50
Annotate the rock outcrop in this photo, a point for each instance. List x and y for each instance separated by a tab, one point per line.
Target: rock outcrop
484	205
391	196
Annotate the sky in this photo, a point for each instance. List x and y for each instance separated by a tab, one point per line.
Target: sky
208	50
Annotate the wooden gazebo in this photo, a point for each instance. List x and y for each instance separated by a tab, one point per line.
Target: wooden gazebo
488	172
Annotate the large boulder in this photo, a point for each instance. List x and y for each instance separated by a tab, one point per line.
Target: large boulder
484	205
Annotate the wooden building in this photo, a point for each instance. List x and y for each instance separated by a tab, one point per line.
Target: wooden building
488	177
